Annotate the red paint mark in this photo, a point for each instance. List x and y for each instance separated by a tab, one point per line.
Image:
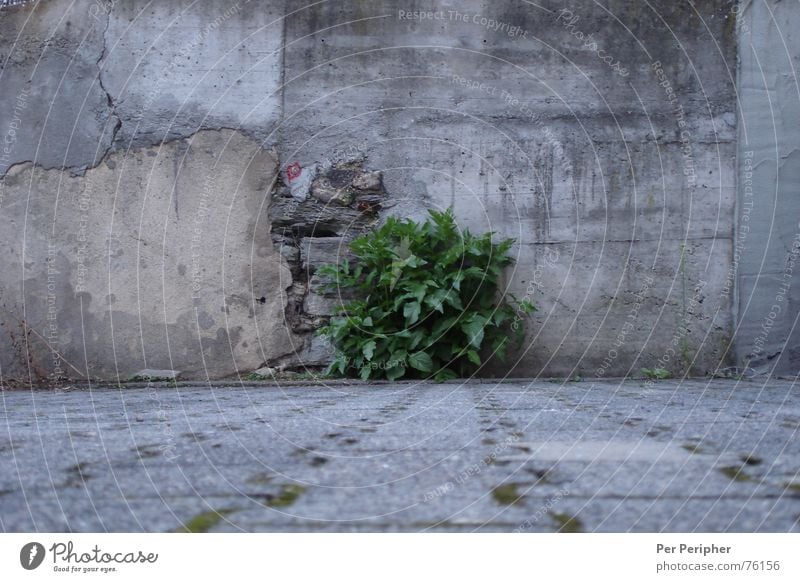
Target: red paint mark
293	170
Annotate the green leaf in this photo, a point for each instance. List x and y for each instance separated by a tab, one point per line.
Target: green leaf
474	331
411	312
442	326
435	300
366	322
419	291
501	316
368	349
445	374
499	345
400	300
416	339
395	372
421	361
365	372
414	262
473	357
454	300
474	273
338	365
527	307
399	356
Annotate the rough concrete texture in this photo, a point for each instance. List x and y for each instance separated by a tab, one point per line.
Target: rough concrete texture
154	259
602	137
719	456
529	130
768	232
175	67
54	111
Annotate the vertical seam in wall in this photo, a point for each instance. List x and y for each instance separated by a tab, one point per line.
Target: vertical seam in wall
282	89
734	347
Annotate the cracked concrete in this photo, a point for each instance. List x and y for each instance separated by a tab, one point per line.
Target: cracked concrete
625	243
134	185
188	66
52	57
110	100
153	259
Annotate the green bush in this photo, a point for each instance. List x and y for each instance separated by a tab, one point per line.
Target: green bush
428	302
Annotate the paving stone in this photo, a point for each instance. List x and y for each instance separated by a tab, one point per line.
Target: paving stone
471	456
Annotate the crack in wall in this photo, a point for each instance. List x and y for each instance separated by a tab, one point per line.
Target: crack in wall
115	122
109	99
80	171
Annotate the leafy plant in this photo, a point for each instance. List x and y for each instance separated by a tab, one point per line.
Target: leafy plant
428	303
656	373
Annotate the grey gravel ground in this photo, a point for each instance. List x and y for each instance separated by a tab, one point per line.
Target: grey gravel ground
539	456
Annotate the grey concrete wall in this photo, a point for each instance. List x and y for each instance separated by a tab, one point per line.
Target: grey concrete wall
768	226
616	177
135	167
602	136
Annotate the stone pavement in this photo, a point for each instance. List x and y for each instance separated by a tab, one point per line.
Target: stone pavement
707	456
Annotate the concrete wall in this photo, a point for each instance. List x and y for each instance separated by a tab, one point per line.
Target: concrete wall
616	177
135	168
601	135
768	226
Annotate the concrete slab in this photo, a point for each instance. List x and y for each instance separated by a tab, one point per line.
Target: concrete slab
529	456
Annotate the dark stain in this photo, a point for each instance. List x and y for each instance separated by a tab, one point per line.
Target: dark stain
147	451
77	475
542	475
751	460
318	461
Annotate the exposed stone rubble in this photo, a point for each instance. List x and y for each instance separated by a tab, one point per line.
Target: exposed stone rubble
309	231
